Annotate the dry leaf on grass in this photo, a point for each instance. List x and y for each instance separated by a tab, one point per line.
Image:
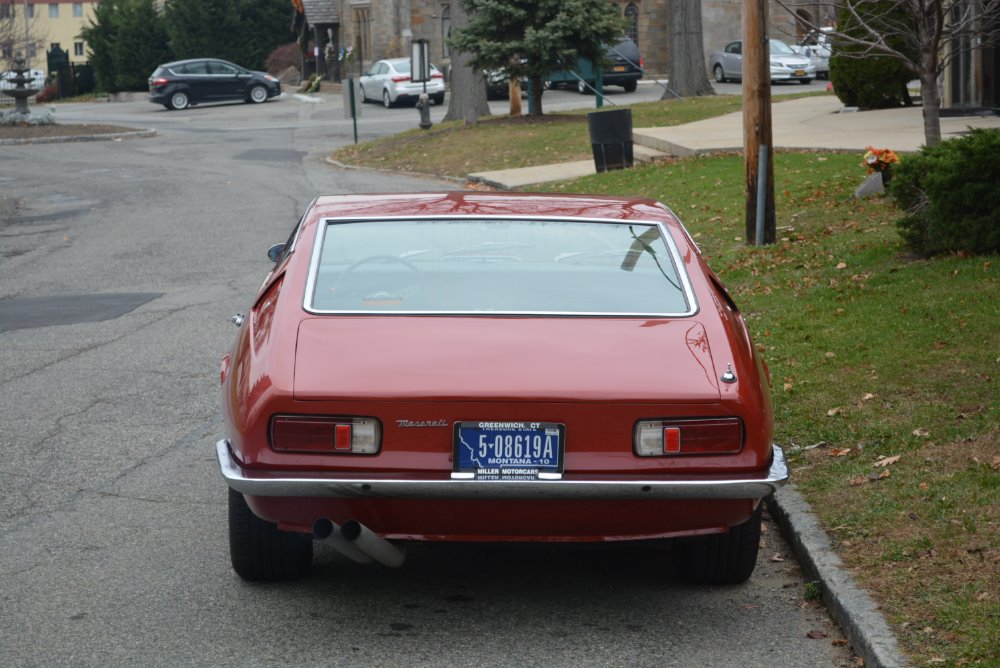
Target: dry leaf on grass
868	396
885	461
777	558
833	411
996	464
860	480
921	432
838	452
841	265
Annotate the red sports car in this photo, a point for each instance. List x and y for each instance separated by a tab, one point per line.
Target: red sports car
494	367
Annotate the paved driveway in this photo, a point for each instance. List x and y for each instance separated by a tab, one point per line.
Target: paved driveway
120	264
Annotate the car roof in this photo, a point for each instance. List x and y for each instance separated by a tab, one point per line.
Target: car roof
491	205
194	60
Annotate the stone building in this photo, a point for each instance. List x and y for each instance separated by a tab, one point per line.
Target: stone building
385	28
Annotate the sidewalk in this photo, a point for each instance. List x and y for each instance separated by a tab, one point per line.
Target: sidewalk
806	123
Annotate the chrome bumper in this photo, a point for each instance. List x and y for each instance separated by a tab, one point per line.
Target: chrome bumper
306	484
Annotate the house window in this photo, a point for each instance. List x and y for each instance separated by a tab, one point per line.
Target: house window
5	12
77	48
78	9
53	10
632	21
445	31
31	11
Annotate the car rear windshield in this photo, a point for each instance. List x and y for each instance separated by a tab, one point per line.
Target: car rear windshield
496	266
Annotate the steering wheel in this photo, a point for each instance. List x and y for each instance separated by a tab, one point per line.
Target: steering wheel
383	296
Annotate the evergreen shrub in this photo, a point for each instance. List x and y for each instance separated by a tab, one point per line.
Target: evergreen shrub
948	195
867	80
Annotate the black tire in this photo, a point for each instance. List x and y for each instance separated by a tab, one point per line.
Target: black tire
720	76
804	81
582	88
179	100
724	559
630	86
259	551
438	99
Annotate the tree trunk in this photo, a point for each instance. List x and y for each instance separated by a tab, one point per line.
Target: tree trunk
468	87
686	51
930	102
537	88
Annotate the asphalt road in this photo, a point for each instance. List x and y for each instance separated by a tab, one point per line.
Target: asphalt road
120	264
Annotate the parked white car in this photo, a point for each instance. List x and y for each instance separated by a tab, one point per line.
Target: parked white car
816	46
390	81
786	65
37	81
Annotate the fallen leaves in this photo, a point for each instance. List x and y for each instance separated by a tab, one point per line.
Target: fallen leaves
834	411
816	635
920	432
838	452
885	461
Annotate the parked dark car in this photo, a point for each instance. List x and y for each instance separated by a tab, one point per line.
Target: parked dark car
188	82
623	68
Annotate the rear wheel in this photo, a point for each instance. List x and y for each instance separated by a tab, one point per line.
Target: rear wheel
727	558
259	551
438	98
386	100
804	81
258	94
630	86
179	100
720	76
582	88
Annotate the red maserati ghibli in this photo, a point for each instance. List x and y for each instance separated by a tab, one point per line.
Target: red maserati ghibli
493	367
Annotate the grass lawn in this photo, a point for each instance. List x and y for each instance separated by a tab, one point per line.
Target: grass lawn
884	366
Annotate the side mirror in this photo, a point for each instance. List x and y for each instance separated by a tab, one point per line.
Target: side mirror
274	252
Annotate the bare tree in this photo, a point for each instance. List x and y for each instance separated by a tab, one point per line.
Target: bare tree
925	27
18	34
686	51
468	88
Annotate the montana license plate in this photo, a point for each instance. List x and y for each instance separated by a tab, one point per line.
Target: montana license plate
508	450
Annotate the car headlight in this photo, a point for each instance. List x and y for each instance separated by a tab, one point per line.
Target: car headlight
271	78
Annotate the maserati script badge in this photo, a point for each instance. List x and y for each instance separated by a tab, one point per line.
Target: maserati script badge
422	423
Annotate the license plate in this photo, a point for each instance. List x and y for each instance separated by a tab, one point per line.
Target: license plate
800	73
618	68
508	450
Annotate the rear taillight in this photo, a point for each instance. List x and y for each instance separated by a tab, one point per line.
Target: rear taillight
658	438
160	81
400	79
437	75
300	433
642	63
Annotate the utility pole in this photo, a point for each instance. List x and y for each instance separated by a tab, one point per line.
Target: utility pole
758	148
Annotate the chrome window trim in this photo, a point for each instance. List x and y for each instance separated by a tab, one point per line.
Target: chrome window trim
324	224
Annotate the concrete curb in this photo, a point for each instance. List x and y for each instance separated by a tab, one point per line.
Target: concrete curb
110	136
849	605
418	175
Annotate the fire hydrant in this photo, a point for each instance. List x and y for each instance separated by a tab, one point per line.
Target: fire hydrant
424	106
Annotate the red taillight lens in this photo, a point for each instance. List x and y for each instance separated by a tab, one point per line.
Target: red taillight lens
400	79
437	75
656	438
160	81
300	433
642	63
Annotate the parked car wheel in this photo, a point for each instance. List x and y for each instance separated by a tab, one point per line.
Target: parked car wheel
438	99
259	551
386	100
364	98
582	88
258	94
179	101
720	76
805	81
727	558
630	86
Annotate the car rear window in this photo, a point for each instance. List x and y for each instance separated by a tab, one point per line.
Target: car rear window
497	266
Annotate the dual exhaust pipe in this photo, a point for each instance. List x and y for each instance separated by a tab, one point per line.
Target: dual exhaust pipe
357	542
